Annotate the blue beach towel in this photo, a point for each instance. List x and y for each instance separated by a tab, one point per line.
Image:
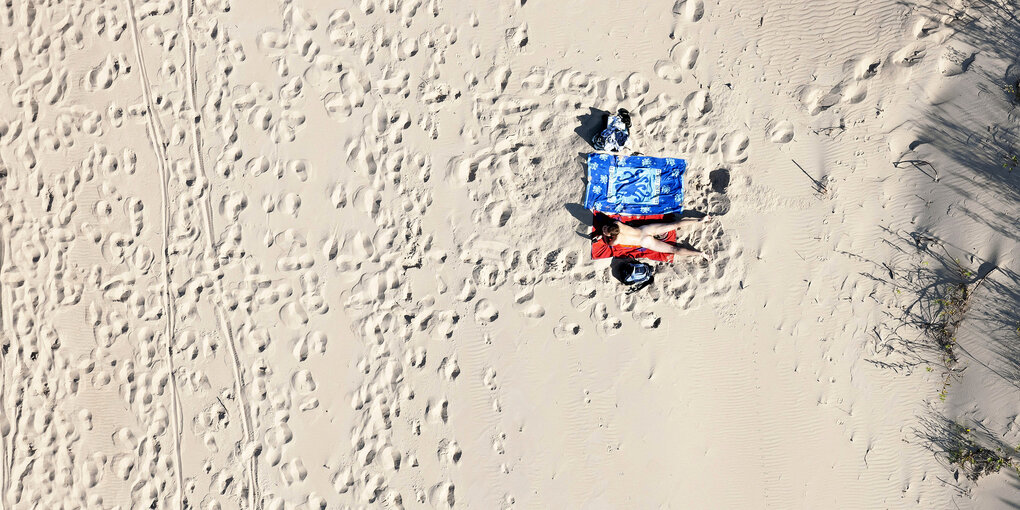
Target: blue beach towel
635	184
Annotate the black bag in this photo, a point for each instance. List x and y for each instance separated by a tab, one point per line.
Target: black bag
624	116
636	275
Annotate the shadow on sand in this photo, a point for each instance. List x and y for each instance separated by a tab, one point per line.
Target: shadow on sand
944	289
969	451
591	124
984	155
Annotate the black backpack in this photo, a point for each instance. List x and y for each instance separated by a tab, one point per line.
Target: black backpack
636	275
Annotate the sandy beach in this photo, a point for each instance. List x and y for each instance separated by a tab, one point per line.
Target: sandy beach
285	255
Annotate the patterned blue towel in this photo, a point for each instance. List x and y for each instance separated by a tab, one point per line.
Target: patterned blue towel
635	184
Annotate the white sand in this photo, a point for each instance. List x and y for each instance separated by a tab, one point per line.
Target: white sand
323	254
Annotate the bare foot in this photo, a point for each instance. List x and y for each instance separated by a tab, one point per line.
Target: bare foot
702	257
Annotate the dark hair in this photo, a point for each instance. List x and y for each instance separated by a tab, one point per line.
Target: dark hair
600	233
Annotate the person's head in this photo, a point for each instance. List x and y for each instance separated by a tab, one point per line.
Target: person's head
610	231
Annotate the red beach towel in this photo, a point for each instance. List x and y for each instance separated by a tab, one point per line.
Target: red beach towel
601	250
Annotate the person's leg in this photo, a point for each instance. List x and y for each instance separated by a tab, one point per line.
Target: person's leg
654	229
663	247
654	244
687	252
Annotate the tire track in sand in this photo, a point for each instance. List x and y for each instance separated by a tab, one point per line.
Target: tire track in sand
254	496
206	209
189	69
7	460
159	147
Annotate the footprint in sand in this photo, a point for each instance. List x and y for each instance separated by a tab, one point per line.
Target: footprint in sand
485	311
690	10
489	379
924	27
517	37
688	57
867	68
647	319
566	329
449	368
705	142
953	61
681	57
698	104
449	452
498	213
523	302
855	93
341	29
909	55
606	323
442	495
636	85
668	71
779	131
734	147
818	99
354	87
106	73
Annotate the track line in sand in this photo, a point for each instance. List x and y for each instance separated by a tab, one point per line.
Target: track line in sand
254	496
253	493
5	321
224	324
225	327
189	69
161	161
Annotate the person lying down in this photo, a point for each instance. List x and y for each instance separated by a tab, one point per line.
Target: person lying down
615	233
